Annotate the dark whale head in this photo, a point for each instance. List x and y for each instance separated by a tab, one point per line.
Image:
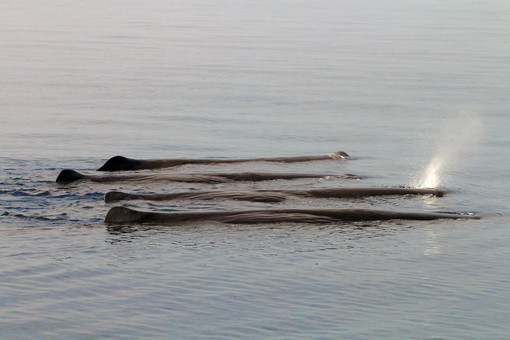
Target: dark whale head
113	196
120	163
123	215
68	176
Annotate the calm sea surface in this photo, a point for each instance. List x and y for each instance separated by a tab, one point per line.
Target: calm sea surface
397	84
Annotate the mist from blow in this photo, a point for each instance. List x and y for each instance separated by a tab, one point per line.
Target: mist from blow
457	142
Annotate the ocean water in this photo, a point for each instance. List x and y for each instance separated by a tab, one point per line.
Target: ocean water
417	91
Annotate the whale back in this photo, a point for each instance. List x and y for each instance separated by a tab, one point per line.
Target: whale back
119	163
68	176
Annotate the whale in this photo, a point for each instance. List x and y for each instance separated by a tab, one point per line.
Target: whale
271	196
120	163
69	176
121	215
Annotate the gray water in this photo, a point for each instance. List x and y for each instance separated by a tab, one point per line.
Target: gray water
396	84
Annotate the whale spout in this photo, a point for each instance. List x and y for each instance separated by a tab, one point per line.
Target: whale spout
68	176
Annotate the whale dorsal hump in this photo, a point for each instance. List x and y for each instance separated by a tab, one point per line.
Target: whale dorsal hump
119	163
68	176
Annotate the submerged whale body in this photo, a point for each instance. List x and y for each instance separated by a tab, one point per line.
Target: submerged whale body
264	197
120	163
122	215
69	176
272	196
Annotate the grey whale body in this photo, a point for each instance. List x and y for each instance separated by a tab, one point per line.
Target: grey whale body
69	176
272	196
120	163
122	215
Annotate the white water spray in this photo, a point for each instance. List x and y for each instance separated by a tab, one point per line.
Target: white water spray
457	141
432	177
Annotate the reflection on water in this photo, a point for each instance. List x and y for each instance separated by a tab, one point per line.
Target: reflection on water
432	202
432	247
